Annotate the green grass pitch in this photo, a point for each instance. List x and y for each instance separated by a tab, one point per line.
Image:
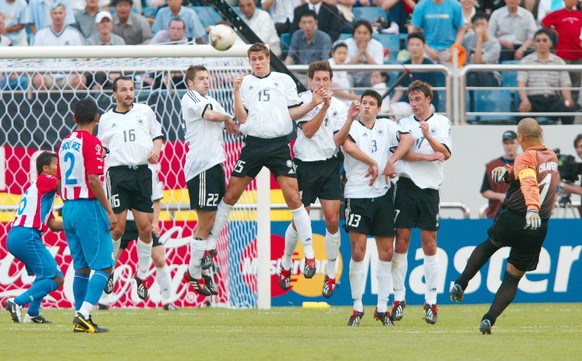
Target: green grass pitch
523	332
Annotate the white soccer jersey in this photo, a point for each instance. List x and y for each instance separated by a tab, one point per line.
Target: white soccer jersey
68	36
129	136
267	101
205	139
322	145
426	174
378	143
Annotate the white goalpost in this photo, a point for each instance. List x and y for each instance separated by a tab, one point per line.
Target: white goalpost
36	119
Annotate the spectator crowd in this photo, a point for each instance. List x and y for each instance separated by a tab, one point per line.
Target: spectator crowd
304	31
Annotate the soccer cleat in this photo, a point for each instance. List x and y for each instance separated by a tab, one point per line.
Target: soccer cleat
210	284
431	313
398	310
170	307
199	285
284	278
207	258
309	268
110	285
102	307
86	325
328	287
457	293
383	317
485	327
355	318
142	288
14	309
35	319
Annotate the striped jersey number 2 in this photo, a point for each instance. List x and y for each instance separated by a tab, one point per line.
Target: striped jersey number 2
69	157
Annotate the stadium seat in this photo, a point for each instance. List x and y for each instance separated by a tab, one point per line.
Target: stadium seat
285	42
492	101
390	42
344	36
370	13
207	15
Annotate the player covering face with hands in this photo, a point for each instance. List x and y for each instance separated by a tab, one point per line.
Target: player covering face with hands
371	143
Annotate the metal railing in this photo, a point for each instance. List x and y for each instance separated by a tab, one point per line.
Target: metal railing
461	75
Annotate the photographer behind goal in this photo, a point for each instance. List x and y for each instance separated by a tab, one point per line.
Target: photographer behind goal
569	171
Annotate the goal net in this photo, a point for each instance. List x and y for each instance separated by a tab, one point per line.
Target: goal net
37	94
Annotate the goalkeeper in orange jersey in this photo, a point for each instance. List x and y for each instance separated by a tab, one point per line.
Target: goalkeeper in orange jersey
522	222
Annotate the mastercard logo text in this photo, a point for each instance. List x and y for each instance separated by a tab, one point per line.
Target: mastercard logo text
299	284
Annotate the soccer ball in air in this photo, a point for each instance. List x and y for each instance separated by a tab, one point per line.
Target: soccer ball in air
221	37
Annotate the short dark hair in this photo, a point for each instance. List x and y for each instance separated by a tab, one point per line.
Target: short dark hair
178	19
115	2
43	159
123	77
422	87
322	65
479	15
577	140
365	23
86	110
192	70
258	47
374	94
546	32
417	35
308	13
338	44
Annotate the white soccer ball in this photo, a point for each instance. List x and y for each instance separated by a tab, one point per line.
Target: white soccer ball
222	37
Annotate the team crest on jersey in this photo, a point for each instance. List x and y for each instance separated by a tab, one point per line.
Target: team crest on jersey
113	125
251	87
380	131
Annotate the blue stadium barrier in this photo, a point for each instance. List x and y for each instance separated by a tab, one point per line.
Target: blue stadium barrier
390	42
556	279
207	15
370	13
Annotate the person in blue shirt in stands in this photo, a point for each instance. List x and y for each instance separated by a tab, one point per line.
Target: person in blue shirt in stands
416	45
194	28
442	22
309	44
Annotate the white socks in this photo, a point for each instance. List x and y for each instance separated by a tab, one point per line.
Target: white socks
116	245
384	276
197	248
164	281
144	257
399	269
303	225
357	283
291	240
332	246
222	214
431	275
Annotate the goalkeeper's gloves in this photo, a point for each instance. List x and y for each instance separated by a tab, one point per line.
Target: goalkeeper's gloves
500	174
532	220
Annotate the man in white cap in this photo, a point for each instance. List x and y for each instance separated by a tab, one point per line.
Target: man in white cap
104	31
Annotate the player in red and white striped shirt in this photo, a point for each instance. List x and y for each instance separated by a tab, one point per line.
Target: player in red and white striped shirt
87	214
34	216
